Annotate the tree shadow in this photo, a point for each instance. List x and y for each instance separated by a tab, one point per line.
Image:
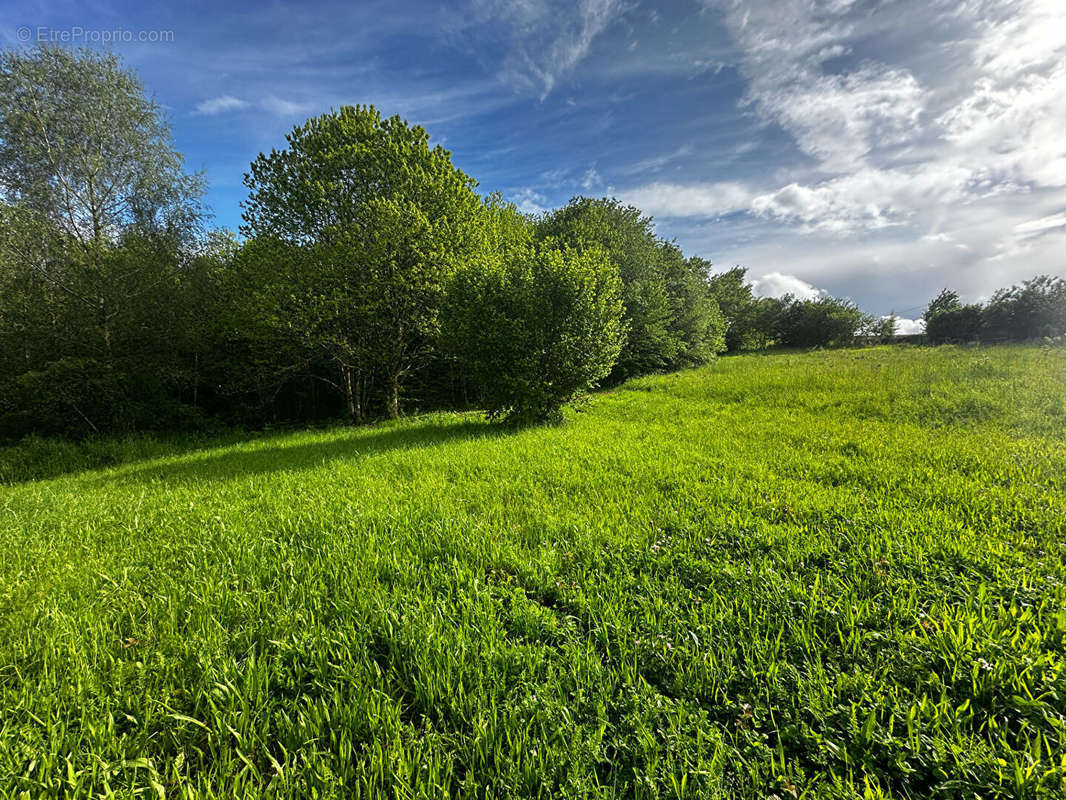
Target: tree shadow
37	458
280	454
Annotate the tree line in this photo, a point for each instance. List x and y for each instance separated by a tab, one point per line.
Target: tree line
369	277
1036	309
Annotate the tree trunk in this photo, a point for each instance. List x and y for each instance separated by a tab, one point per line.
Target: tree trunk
394	397
360	401
354	412
196	379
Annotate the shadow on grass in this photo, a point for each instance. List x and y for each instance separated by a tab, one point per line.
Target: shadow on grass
280	454
37	458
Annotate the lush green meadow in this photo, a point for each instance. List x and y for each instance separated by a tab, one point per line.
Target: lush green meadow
830	574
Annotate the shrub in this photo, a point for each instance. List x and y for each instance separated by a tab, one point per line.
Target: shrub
540	328
825	322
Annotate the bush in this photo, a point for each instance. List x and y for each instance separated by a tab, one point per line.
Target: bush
825	322
1034	310
955	325
539	329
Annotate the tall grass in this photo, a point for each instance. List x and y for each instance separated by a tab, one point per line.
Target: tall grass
835	574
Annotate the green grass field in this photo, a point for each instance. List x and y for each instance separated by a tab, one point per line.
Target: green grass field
833	574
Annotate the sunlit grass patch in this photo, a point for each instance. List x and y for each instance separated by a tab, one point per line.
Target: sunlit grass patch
829	574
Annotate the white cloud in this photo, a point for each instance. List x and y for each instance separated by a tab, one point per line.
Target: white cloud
909	327
869	199
274	105
591	180
679	200
1041	225
777	284
218	105
839	119
530	201
834	117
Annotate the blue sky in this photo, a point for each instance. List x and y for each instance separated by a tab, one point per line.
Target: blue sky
874	149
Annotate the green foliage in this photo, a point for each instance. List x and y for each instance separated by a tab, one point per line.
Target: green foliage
1033	310
947	300
670	317
85	151
825	322
95	239
695	315
385	219
836	574
956	325
734	297
539	328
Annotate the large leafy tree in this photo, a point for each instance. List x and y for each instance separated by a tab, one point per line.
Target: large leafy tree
385	218
84	152
97	224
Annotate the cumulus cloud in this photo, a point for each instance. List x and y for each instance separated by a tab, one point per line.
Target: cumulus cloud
909	327
939	152
777	284
871	198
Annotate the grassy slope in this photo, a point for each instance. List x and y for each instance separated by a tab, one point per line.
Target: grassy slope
825	573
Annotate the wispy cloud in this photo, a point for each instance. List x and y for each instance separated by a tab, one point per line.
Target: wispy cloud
656	163
284	108
529	201
219	105
1038	226
679	200
545	39
591	181
272	105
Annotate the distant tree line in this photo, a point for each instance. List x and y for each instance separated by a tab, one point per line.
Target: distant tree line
369	277
755	323
1034	310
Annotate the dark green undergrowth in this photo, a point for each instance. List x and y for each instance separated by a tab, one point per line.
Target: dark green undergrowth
835	575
